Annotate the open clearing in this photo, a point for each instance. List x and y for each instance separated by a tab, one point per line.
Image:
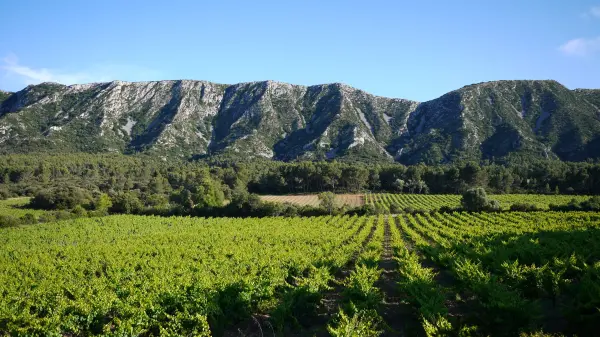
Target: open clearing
353	200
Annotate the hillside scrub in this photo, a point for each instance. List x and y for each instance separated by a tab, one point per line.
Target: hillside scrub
61	198
590	205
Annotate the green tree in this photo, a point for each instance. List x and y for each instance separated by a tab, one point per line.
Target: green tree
471	174
355	177
102	202
374	180
239	197
327	201
4	194
433	155
64	197
43	173
157	184
157	201
183	198
330	174
398	185
126	202
476	200
209	194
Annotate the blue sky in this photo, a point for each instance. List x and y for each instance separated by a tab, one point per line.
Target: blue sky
409	49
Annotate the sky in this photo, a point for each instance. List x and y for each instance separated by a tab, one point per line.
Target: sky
407	49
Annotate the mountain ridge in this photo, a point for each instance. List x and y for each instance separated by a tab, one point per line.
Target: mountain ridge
278	120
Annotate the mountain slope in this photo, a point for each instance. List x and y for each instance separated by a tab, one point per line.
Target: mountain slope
497	119
283	121
4	95
186	118
165	116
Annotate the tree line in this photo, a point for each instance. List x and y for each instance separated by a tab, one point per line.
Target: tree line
27	174
92	185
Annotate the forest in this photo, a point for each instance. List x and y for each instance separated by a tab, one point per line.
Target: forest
148	185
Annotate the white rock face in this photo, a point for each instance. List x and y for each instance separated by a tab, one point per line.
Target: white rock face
358	138
129	126
387	118
183	118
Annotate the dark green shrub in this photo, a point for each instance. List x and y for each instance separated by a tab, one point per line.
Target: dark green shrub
476	200
61	198
311	211
361	210
290	210
102	202
28	219
493	206
79	211
269	209
157	201
395	208
8	221
446	209
524	207
126	202
62	215
592	204
4	194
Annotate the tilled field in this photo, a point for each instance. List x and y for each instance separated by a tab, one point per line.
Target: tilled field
352	200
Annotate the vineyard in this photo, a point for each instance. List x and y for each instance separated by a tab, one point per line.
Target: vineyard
433	274
429	202
425	202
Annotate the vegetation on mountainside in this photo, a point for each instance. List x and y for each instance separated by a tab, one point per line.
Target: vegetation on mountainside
4	95
504	119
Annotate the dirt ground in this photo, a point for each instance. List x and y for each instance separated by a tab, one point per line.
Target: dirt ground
353	200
